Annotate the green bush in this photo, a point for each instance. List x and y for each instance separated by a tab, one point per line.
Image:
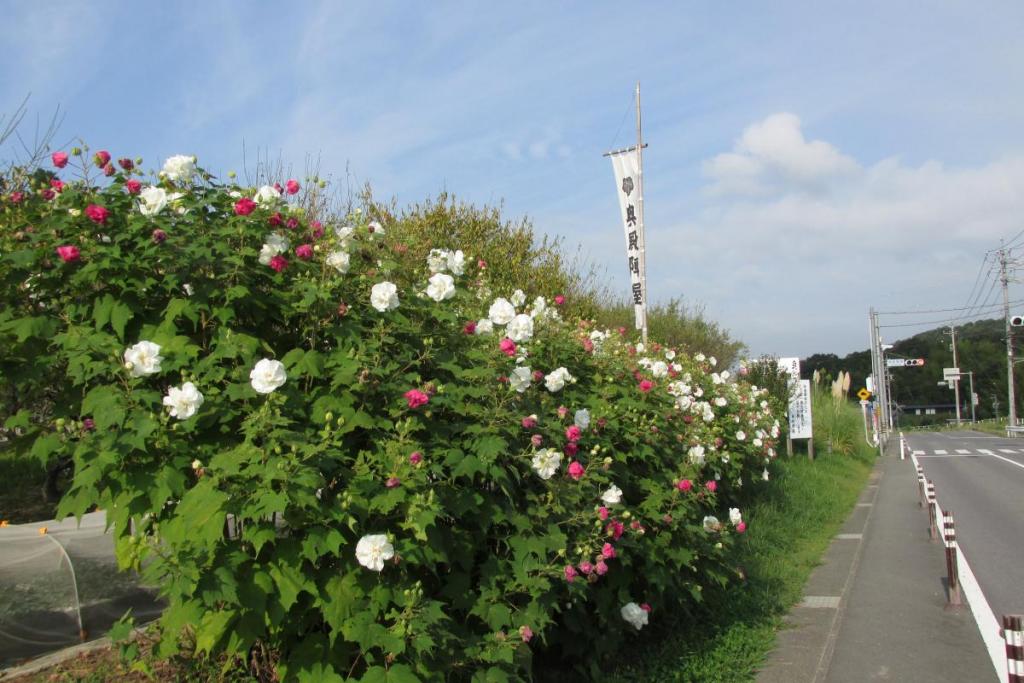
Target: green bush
323	457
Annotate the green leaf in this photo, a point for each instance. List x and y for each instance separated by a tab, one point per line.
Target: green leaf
398	673
119	317
290	582
211	629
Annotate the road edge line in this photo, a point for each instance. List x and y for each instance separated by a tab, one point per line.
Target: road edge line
982	612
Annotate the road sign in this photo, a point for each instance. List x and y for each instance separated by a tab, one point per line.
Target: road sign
951	373
863	394
904	362
974	399
869	382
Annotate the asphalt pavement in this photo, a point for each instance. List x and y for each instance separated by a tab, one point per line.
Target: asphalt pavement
876	609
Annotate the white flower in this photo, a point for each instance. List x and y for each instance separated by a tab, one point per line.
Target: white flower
640	348
197	464
143	359
501	312
556	379
74	213
441	287
266	194
375	228
713	361
344	235
484	326
700	358
696	454
764	475
152	200
520	328
659	369
711	523
539	306
179	167
758	442
274	244
437	260
582	418
384	296
268	375
457	262
183	402
734	516
635	615
613	496
670	355
373	550
741	435
520	378
189	291
546	462
725	373
720	401
339	260
518	298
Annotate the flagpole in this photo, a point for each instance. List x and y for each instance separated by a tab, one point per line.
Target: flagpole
640	211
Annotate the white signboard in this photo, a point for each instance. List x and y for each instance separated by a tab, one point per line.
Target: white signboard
895	362
791	366
800	411
627	171
951	373
870	383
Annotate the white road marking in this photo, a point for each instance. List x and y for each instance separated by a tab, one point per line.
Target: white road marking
918	453
984	617
1012	462
940	452
951	455
985	451
1007	450
962	450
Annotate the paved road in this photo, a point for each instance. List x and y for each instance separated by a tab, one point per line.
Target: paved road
980	478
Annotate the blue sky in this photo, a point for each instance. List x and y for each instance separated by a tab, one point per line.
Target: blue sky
807	160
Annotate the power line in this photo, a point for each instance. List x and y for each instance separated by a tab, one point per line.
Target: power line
947	321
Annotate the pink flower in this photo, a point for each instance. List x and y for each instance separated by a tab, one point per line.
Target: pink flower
133	186
278	263
244	206
602	512
508	347
607	551
57	184
275	219
684	485
304	251
101	158
97	214
415	458
645	607
573	433
528	422
68	253
60	159
277	186
635	525
741	527
559	300
711	486
159	236
562	412
48	194
646	385
601	568
576	470
416	398
622	331
292	223
586	567
318	230
525	633
588	345
615	529
292	186
570	573
392	482
108	170
537	375
481	264
536	440
126	163
16	197
88	424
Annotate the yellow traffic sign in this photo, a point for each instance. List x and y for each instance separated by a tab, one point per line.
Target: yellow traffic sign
863	394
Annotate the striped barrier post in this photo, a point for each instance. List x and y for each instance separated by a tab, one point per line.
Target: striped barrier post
920	486
952	573
903	447
1013	636
933	524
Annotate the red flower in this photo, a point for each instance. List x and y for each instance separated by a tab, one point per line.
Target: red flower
126	163
559	300
508	347
304	251
97	214
101	158
159	236
244	206
88	424
469	328
318	231
741	527
570	449
60	159
415	458
57	184
275	219
416	398
133	186
646	385
108	170
615	529
279	263
292	223
602	512
49	194
69	254
645	607
576	470
684	485
16	197
292	187
537	375
573	433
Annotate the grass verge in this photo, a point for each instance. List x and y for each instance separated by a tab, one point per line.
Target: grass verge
791	526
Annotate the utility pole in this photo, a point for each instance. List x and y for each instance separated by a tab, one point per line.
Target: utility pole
956	364
1011	419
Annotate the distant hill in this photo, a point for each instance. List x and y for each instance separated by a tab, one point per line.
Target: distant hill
981	348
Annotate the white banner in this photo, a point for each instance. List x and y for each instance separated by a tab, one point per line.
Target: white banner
627	169
800	410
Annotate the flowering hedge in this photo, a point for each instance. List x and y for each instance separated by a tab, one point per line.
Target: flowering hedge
339	467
